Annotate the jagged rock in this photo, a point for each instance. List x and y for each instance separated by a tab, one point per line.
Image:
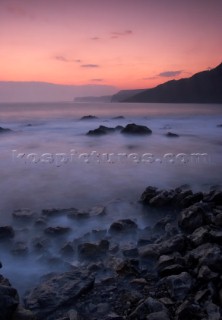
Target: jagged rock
97	211
149	251
172	135
161	315
192	218
215	197
213	311
176	243
77	214
148	194
161	199
58	291
179	285
206	274
123	226
149	306
200	236
133	128
57	231
118	118
89	117
189	310
8	299
24	214
6	232
161	224
101	130
93	251
191	199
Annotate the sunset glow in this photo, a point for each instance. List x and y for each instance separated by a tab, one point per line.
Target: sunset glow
125	44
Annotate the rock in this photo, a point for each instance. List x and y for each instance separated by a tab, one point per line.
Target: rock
149	251
148	194
40	244
219	125
23	314
215	235
24	214
6	232
181	195
77	214
97	211
118	118
191	199
73	314
200	236
218	220
113	316
160	225
57	291
122	226
20	248
93	251
213	311
0	265
179	285
101	130
161	315
89	117
206	274
4	130
192	218
8	299
160	200
215	197
149	306
177	243
130	252
206	254
126	267
133	128
57	231
189	310
172	135
67	250
53	212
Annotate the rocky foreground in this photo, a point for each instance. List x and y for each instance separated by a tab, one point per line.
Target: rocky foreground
170	270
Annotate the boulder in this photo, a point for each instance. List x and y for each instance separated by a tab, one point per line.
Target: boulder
4	130
101	130
20	249
57	231
88	117
88	251
172	135
58	291
189	310
6	232
97	211
192	218
147	307
24	214
122	226
136	129
9	299
179	286
191	199
199	236
148	194
161	315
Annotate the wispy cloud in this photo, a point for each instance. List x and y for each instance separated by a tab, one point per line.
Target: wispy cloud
62	58
90	65
97	80
118	34
95	38
149	78
169	74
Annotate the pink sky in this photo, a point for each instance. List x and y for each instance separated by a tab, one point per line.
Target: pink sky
121	43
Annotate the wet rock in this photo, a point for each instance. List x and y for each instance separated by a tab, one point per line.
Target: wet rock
215	197
191	199
172	135
148	194
179	285
200	236
149	306
149	251
5	130
122	226
177	243
181	195
161	315
130	252
57	231
126	267
77	214
24	214
6	232
97	211
160	200
161	224
189	310
192	218
88	117
58	291
101	130
8	299
133	128
93	251
20	249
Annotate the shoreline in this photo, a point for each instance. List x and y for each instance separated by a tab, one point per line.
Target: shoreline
164	264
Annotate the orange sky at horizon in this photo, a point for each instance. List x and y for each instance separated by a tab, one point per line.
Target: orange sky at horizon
124	43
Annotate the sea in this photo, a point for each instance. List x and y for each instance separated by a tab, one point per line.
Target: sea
48	161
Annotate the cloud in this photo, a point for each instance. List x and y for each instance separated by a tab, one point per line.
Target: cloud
117	34
90	65
97	80
67	60
149	78
16	10
170	73
95	38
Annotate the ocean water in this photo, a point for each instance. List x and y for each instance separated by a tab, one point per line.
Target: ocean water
40	181
48	161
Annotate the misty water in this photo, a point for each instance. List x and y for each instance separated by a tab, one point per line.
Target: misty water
70	180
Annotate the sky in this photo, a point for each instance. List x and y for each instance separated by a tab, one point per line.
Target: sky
115	43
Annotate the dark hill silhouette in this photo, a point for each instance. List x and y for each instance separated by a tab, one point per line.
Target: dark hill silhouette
202	87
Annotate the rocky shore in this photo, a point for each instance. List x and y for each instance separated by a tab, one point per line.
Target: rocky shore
170	269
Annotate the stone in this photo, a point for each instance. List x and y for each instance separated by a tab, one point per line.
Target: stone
101	130
24	214
77	214
172	135
148	194
88	251
20	248
179	286
89	117
9	299
192	218
189	310
6	232
23	314
57	231
57	291
5	130
113	316
97	211
191	199
177	243
213	311
122	226
149	306
160	200
200	236
161	315
133	128
218	220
